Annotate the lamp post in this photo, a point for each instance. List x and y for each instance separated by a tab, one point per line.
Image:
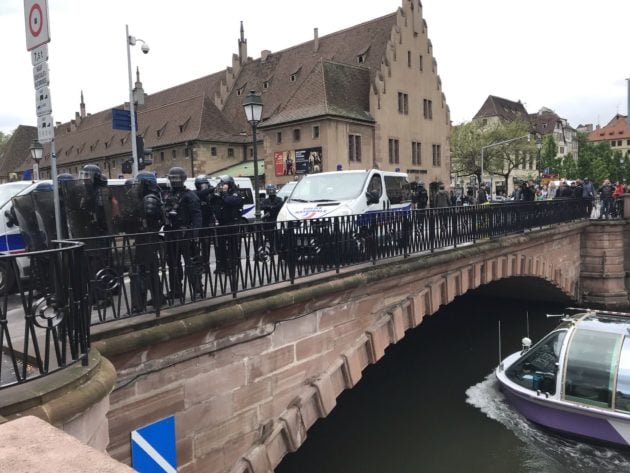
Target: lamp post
37	150
492	145
131	41
253	111
539	145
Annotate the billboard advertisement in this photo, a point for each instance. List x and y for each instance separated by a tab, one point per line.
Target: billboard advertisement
300	161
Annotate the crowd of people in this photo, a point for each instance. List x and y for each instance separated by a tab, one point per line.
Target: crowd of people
607	194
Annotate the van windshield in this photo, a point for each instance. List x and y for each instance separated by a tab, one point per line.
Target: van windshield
329	187
11	189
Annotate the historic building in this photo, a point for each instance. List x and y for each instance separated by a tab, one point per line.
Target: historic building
543	123
367	96
616	132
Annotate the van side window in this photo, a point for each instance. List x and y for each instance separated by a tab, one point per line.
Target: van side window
375	185
398	189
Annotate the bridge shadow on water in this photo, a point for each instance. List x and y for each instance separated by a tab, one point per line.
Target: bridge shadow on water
430	405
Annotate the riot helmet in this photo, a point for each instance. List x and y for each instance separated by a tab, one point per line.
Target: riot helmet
271	190
148	182
65	177
202	183
229	180
177	177
420	184
93	173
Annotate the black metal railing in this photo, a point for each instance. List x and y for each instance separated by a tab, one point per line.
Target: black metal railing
145	273
45	324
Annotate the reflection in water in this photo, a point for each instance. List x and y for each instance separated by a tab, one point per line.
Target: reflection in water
415	410
544	451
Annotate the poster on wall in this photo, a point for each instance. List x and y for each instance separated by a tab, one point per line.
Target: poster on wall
284	164
308	160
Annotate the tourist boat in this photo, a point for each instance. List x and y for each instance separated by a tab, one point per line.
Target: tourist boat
576	380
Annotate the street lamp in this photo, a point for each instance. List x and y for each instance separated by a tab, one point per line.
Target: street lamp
253	111
37	150
131	41
539	145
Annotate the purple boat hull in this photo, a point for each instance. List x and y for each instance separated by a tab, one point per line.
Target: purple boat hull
564	418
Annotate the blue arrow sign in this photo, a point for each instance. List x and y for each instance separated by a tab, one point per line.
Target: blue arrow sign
153	447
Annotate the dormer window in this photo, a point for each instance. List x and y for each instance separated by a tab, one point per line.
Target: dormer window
239	92
295	73
361	58
266	84
293	77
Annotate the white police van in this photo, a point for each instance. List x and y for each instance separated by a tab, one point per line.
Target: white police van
339	193
246	190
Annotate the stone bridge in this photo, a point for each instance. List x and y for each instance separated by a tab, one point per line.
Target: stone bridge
246	378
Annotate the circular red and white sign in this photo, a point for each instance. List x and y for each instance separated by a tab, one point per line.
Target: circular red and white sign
35	21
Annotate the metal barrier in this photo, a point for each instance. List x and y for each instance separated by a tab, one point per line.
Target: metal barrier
45	325
144	273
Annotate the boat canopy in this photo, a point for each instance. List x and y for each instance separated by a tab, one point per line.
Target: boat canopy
596	368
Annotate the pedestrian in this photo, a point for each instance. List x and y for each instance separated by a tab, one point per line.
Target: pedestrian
205	192
183	220
270	207
618	199
588	194
228	208
144	274
442	199
482	197
606	195
420	197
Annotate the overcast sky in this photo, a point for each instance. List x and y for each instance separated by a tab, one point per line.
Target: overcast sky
568	55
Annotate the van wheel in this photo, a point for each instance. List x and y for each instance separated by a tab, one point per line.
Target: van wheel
7	279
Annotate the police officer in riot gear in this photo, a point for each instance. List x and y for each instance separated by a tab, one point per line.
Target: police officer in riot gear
270	207
420	196
144	274
228	208
183	219
205	193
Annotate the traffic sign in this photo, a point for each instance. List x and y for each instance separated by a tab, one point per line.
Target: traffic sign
121	119
45	129
40	75
36	22
153	447
43	104
39	54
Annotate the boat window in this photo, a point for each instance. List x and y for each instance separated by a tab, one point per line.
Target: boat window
538	368
622	401
591	367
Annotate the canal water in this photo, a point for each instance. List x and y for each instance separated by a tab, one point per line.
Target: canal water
432	405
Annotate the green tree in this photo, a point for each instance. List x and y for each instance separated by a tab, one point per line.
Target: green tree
548	156
466	142
569	167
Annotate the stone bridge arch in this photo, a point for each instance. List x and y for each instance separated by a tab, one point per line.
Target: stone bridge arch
246	379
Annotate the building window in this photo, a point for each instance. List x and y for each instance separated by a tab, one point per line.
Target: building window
161	155
628	143
186	152
230	152
174	154
408	58
279	137
561	149
619	143
394	157
437	155
403	103
421	66
427	107
213	151
354	148
114	163
316	132
612	143
296	134
251	152
416	153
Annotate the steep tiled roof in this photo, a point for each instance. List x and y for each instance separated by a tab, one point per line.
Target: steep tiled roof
502	108
544	122
17	150
616	129
330	89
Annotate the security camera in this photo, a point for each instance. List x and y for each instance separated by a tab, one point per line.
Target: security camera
145	48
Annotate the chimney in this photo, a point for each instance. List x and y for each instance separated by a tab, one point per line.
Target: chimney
82	105
264	54
315	40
